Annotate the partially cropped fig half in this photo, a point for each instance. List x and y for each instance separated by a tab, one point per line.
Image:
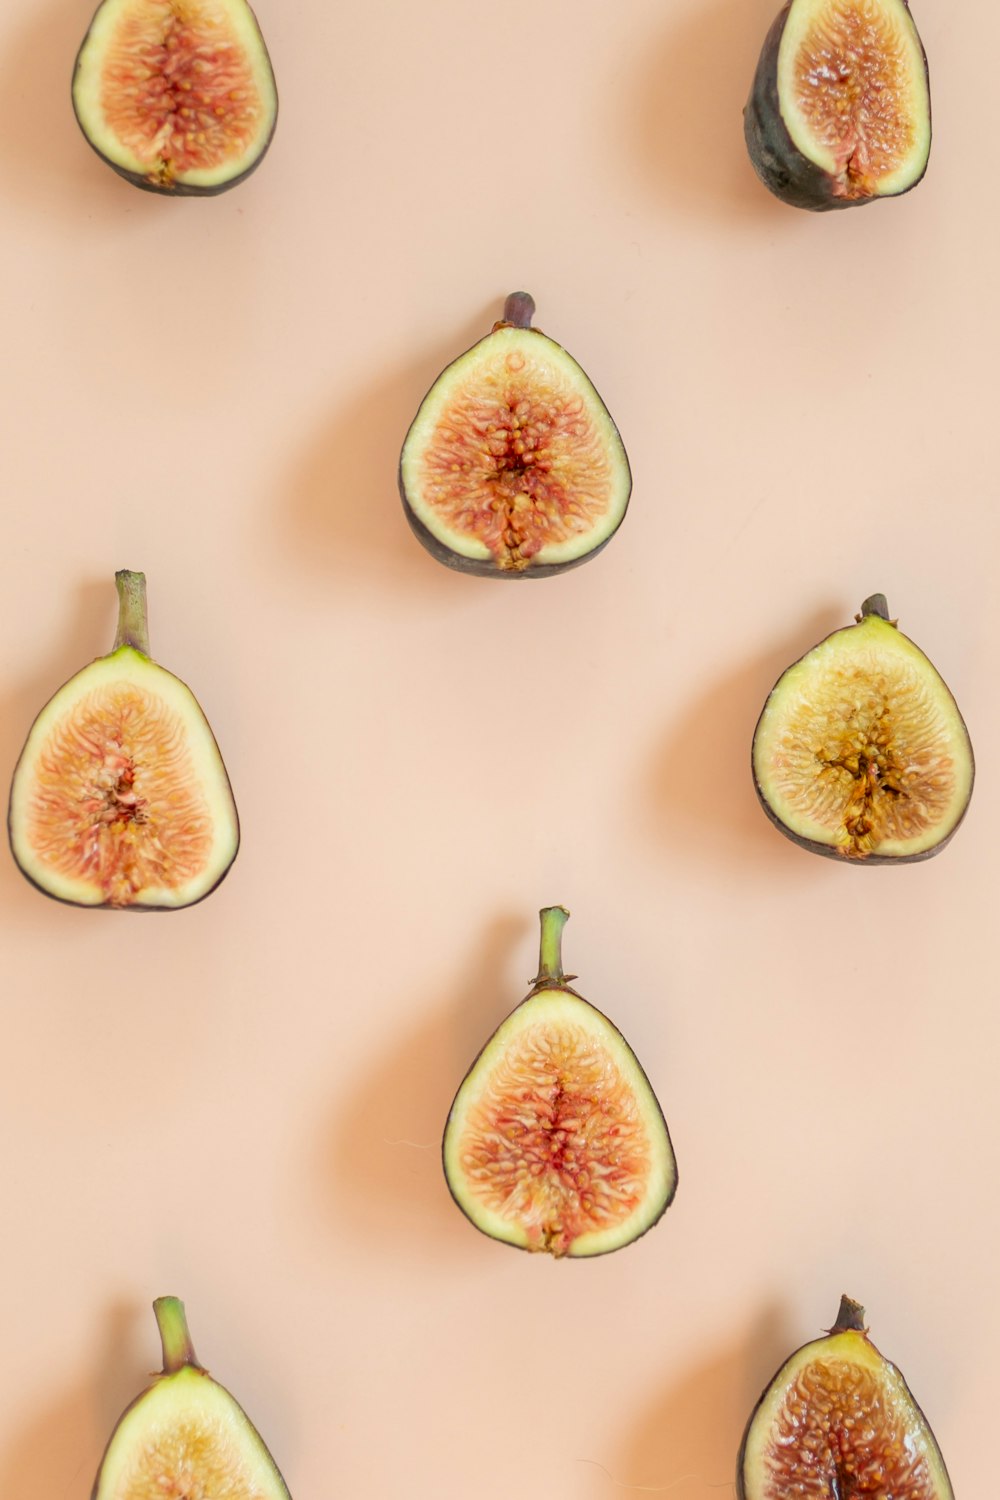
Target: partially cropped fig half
838	1420
860	752
512	467
120	797
555	1141
185	1436
839	113
177	96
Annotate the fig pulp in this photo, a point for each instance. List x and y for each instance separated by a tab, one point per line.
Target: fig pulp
839	113
177	96
555	1140
861	751
185	1436
838	1422
120	797
512	467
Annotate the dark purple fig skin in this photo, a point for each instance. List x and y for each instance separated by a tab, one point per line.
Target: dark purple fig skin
485	567
776	159
162	190
827	850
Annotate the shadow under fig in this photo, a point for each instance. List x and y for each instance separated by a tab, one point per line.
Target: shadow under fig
686	125
700	788
382	1160
58	1450
89	633
687	1441
340	508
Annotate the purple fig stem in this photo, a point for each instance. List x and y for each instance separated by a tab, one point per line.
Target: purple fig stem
519	309
876	605
850	1318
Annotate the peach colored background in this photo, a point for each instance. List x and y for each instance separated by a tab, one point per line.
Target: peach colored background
242	1103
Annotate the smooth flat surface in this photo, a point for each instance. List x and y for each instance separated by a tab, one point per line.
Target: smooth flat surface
241	1104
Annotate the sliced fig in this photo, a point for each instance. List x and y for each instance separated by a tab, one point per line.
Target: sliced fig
838	1422
861	752
512	467
555	1140
185	1437
120	797
839	112
177	96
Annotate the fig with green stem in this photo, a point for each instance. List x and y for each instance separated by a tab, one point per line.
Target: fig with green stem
185	1436
120	797
555	1140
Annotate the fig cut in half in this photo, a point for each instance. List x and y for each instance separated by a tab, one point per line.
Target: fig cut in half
861	752
177	96
120	797
555	1140
185	1438
838	1422
839	112
512	467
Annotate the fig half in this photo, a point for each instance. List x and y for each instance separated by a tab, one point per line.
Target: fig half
839	113
555	1140
120	797
177	96
512	467
838	1422
860	752
185	1437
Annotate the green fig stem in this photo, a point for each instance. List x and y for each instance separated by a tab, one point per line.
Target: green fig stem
877	606
550	969
850	1318
519	309
133	629
178	1350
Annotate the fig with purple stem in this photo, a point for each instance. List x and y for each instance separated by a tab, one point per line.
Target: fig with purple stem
185	1435
860	752
120	797
177	96
839	113
555	1140
512	467
838	1420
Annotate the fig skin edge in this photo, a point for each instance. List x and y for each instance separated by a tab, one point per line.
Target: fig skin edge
850	1318
789	175
132	631
550	976
876	605
519	309
176	190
